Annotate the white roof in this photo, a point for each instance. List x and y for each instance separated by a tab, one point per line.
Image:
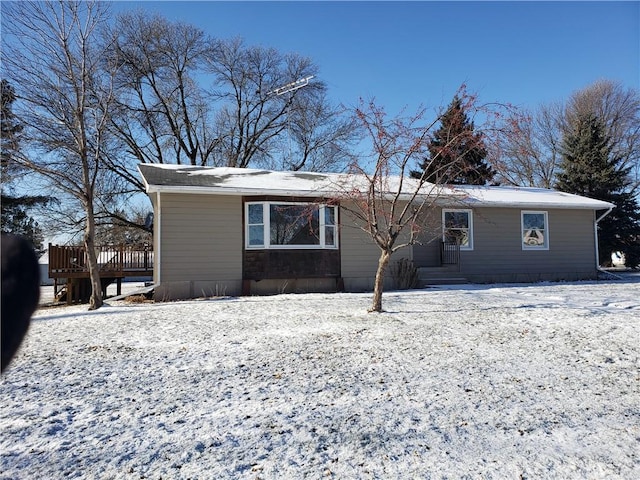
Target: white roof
523	197
243	181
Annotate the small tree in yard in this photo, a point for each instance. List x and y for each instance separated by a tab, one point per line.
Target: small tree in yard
394	209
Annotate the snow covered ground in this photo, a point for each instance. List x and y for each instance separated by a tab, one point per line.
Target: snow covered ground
503	381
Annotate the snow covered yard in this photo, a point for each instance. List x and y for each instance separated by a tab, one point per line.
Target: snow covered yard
507	381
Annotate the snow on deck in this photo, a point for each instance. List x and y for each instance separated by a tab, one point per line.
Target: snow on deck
502	381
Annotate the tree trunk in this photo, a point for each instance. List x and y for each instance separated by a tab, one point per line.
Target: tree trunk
95	301
378	286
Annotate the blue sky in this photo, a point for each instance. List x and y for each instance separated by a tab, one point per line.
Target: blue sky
412	53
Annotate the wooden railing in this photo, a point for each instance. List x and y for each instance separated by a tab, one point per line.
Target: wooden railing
449	253
113	260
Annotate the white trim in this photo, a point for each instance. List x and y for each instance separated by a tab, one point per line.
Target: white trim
247	225
157	219
266	223
545	233
595	233
463	248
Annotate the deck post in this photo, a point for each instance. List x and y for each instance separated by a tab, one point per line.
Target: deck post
69	291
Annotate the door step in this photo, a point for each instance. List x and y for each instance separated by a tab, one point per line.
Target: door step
446	275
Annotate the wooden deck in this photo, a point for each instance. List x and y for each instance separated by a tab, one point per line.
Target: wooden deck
69	262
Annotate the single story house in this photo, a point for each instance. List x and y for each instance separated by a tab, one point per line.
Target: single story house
230	231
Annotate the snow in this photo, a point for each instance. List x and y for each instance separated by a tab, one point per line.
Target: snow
499	381
515	197
227	180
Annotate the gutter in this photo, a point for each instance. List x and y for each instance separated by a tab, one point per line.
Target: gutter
595	232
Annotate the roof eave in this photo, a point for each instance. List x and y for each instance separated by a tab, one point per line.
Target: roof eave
443	199
236	191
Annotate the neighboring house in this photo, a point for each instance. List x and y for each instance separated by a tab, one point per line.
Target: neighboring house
229	231
43	263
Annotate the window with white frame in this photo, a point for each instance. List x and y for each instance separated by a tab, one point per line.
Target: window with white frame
457	227
290	225
535	230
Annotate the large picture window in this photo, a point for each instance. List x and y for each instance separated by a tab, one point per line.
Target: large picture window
290	225
535	231
457	227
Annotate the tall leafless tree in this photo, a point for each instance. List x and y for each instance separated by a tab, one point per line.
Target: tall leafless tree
265	120
529	144
184	97
318	137
252	115
51	55
162	114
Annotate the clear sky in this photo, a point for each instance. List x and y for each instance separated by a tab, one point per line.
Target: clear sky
412	53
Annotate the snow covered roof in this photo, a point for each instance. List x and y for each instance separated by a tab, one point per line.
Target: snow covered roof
523	197
243	181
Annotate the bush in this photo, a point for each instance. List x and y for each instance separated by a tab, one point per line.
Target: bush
405	274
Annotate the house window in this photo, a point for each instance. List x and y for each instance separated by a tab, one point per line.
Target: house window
457	227
290	225
255	225
535	231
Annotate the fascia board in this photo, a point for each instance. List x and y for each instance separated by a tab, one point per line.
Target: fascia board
236	191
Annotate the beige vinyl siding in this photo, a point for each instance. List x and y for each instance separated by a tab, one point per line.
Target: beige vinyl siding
201	243
359	256
498	255
359	253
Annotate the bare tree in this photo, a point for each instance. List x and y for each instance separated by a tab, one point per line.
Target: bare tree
259	106
318	137
529	144
188	98
163	115
63	102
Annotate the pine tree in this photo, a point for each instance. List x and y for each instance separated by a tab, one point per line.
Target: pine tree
590	168
14	208
9	129
456	151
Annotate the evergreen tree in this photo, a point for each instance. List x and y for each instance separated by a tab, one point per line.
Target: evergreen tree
456	151
590	168
9	129
15	208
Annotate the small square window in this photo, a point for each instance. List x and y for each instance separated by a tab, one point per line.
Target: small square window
535	231
255	214
256	235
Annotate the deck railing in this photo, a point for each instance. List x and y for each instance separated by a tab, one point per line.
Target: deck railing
115	260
